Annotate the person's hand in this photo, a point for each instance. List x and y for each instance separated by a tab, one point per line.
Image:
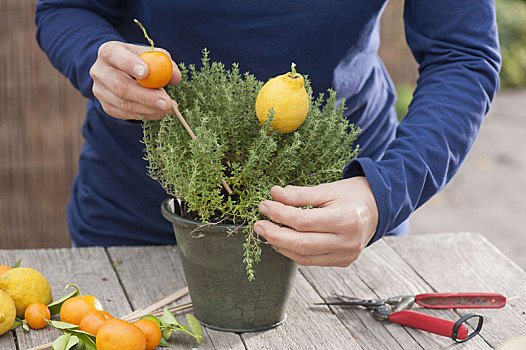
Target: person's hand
342	221
120	95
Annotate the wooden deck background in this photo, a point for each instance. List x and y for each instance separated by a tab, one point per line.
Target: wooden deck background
41	116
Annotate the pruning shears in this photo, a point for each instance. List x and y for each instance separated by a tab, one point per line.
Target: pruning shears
396	309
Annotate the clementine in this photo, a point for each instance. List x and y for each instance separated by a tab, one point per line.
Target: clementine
36	315
152	331
117	334
75	308
93	320
159	67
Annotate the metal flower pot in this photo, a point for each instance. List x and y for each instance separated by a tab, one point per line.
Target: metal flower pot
222	296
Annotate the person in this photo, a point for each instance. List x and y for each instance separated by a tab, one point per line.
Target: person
113	202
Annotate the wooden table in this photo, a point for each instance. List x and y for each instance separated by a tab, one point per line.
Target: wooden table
126	278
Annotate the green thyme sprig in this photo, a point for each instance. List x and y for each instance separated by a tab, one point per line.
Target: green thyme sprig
219	104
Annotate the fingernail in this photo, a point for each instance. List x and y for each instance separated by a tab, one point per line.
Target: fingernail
263	209
161	105
139	70
259	230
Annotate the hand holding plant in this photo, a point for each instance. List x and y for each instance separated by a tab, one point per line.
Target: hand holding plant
332	233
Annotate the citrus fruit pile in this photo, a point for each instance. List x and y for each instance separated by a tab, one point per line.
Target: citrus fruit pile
111	333
24	293
25	299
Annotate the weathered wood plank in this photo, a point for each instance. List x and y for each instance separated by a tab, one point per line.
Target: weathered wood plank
467	262
7	341
88	268
152	273
306	326
380	272
224	340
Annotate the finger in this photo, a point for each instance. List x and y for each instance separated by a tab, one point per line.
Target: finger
301	243
128	107
176	75
116	112
307	220
127	88
328	259
298	196
125	58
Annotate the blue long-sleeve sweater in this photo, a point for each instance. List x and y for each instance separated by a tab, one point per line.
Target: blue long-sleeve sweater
113	201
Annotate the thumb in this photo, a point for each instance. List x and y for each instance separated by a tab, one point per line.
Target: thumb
299	196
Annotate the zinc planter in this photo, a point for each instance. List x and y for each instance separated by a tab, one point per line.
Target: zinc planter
222	297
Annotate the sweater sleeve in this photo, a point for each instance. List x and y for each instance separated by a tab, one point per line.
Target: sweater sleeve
456	46
70	33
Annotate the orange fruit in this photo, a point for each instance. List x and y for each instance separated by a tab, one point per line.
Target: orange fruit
117	334
75	308
93	320
36	315
4	268
160	69
152	331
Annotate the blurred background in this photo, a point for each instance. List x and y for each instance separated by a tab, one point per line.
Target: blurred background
41	116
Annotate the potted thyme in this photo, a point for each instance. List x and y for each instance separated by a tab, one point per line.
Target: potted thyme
236	281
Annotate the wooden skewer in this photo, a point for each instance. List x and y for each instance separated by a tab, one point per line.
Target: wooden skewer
160	313
192	135
181	118
135	315
147	310
43	347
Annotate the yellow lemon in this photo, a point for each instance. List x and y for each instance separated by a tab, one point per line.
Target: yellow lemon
25	286
7	312
286	95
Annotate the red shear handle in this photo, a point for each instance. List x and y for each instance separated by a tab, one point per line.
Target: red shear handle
461	300
428	323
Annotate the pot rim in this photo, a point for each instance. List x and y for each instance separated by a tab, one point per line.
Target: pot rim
173	216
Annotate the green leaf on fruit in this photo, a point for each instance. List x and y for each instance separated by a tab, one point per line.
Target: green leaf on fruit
17	265
16	324
164	343
88	340
168	318
65	342
196	327
63	326
166	332
54	307
61	342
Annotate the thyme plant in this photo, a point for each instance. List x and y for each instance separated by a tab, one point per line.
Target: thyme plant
230	143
